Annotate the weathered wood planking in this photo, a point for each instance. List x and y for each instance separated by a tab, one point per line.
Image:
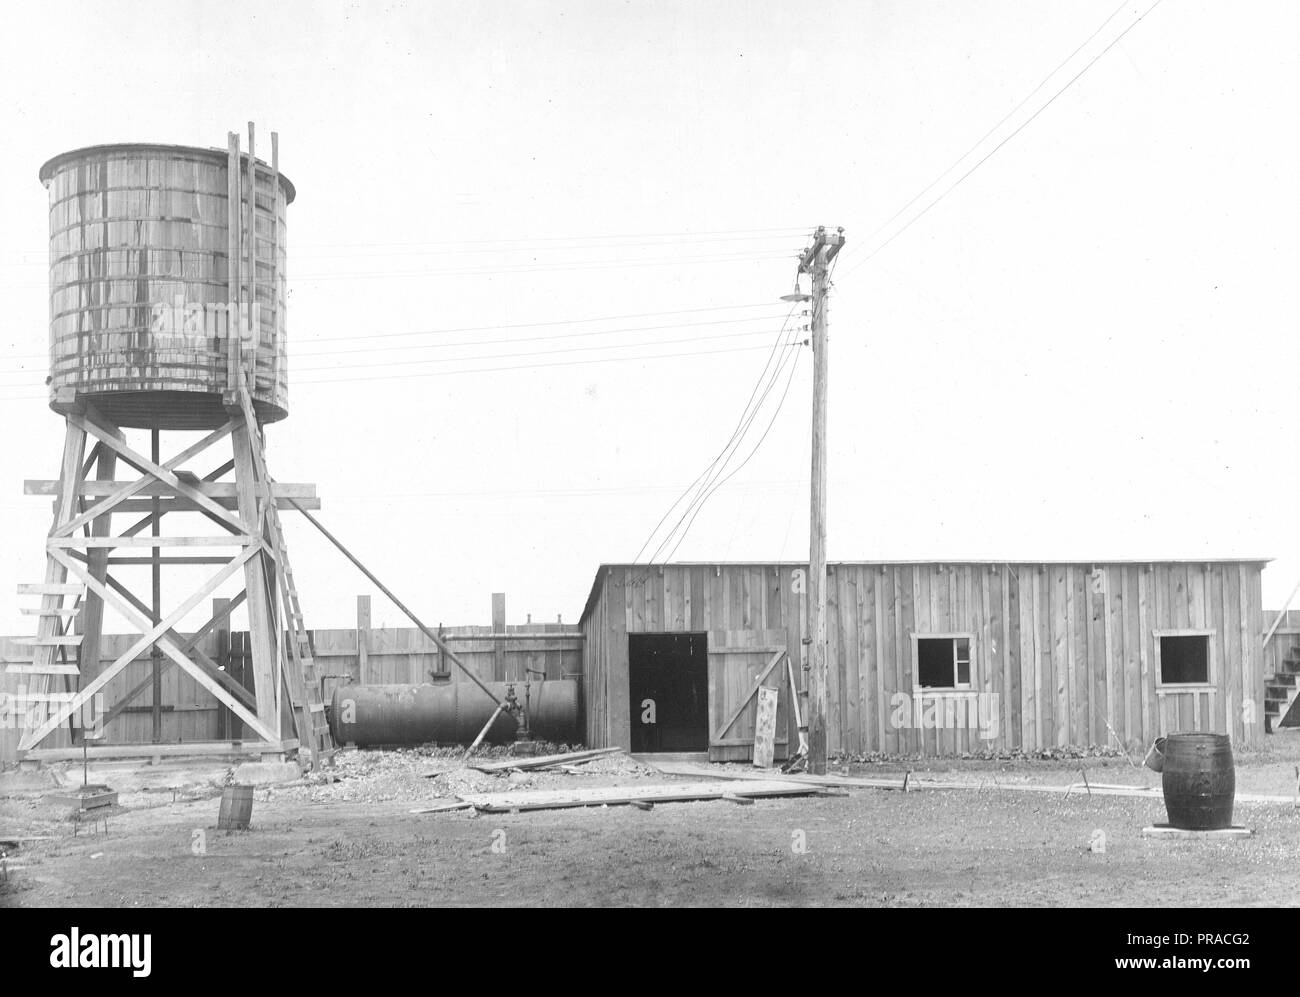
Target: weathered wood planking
1064	652
151	225
191	713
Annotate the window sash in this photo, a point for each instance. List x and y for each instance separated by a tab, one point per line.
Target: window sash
1211	659
963	655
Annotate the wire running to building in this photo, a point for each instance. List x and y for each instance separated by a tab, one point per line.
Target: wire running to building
781	359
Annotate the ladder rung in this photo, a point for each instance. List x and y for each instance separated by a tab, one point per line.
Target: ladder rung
50	588
72	641
60	611
318	707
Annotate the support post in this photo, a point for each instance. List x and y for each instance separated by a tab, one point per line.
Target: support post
816	262
155	653
499	647
262	646
92	615
363	637
225	719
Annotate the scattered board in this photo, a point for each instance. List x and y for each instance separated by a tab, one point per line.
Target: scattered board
765	727
633	795
540	761
850	782
443	807
1168	831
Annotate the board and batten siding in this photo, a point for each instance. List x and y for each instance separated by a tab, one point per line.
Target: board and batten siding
1065	653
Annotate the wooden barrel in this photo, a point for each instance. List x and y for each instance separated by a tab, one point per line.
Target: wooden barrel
236	808
1199	781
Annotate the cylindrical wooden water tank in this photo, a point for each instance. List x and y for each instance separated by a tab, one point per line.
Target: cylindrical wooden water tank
1199	781
139	285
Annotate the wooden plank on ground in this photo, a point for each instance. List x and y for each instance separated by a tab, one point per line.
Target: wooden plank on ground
615	795
249	747
445	806
765	727
711	772
848	782
541	761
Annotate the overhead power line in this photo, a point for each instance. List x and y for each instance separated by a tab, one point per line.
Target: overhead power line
524	244
992	152
784	352
558	267
483	370
1002	121
536	366
539	353
451	330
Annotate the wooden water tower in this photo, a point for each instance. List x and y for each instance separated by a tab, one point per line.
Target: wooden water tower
167	315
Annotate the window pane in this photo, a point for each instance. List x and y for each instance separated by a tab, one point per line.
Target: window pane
934	662
1185	659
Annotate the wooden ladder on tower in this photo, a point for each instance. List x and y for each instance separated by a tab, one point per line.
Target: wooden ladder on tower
301	678
53	639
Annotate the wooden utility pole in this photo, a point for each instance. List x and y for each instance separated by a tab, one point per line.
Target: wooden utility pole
816	261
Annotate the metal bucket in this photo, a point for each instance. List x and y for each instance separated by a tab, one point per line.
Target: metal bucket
1155	759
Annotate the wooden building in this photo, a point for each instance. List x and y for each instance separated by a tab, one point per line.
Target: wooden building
933	658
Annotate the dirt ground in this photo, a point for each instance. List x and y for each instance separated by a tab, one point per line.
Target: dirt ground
352	841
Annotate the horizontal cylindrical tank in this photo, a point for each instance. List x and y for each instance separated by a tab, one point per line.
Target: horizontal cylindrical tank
139	285
453	712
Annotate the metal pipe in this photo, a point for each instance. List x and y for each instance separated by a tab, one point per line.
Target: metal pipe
438	641
483	733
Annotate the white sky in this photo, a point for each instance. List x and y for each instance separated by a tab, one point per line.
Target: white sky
1085	350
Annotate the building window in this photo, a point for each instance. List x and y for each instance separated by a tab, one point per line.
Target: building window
943	661
1184	657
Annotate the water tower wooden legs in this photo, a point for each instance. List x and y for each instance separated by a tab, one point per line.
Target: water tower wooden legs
86	549
259	586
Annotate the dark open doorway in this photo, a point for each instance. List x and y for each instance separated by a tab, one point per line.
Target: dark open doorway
668	682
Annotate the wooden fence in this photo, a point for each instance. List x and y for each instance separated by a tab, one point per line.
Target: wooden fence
358	654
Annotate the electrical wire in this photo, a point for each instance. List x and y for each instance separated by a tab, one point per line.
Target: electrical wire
1002	121
467	271
525	245
535	353
668	512
1021	127
703	485
771	422
502	326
